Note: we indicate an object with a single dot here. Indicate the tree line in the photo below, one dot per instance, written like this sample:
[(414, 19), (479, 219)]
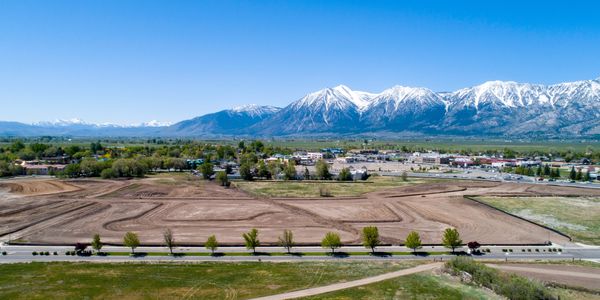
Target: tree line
[(332, 240)]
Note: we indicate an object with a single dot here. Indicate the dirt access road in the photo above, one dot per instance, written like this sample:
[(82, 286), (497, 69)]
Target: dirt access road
[(351, 284), (577, 276)]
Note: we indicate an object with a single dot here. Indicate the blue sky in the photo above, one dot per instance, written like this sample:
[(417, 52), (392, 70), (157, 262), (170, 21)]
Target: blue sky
[(133, 61)]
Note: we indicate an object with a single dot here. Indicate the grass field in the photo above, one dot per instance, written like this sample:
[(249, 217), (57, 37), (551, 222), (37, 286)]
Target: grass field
[(177, 281), (418, 286), (311, 189), (577, 217), (294, 254)]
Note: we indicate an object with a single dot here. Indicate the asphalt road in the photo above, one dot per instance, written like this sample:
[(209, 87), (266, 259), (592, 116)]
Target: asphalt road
[(16, 254), (476, 174)]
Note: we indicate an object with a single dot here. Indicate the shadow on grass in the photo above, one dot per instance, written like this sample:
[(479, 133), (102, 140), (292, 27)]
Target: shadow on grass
[(139, 254), (338, 254), (381, 254), (257, 253), (217, 254)]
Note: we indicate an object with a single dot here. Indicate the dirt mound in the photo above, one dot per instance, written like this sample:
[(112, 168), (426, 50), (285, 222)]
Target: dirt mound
[(38, 187)]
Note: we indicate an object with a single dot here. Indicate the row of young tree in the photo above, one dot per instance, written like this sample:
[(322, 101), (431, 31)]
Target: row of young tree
[(370, 239)]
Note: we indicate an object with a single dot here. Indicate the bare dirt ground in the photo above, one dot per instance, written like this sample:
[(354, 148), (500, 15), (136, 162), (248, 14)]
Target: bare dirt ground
[(576, 276), (55, 211)]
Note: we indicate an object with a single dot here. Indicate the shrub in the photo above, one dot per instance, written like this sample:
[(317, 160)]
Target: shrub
[(34, 253), (55, 253), (510, 286), (109, 173), (324, 192), (4, 253)]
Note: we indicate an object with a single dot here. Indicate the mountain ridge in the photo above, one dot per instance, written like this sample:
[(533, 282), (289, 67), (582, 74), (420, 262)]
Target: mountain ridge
[(494, 108)]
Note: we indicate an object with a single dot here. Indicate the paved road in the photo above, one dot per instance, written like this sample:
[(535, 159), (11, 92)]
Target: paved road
[(350, 284), (20, 257), (498, 177)]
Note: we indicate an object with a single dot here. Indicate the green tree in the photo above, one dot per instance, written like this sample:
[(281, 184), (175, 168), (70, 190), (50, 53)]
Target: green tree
[(17, 146), (322, 171), (289, 172), (413, 241), (547, 171), (72, 170), (287, 240), (573, 174), (222, 178), (169, 240), (539, 171), (345, 175), (579, 175), (451, 239), (263, 171), (404, 176), (306, 175), (131, 240), (207, 170), (212, 244), (246, 172), (251, 240), (109, 173), (587, 177), (370, 237), (96, 243), (331, 241)]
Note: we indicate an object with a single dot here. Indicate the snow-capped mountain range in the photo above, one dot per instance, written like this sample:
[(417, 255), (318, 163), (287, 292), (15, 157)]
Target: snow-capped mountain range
[(494, 108), (80, 122)]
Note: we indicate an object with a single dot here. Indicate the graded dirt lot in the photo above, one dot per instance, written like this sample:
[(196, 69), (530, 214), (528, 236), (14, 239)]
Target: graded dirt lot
[(56, 211)]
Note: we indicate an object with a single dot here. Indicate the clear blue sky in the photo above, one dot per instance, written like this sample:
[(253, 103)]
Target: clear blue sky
[(132, 61)]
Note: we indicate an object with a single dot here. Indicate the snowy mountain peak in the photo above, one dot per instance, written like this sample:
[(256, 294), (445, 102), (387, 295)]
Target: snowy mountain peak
[(153, 123), (79, 122), (255, 110), (500, 93), (61, 122), (340, 97)]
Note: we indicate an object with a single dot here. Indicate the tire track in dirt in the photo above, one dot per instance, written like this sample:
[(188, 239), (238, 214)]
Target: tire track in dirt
[(327, 222), (110, 225), (43, 223)]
